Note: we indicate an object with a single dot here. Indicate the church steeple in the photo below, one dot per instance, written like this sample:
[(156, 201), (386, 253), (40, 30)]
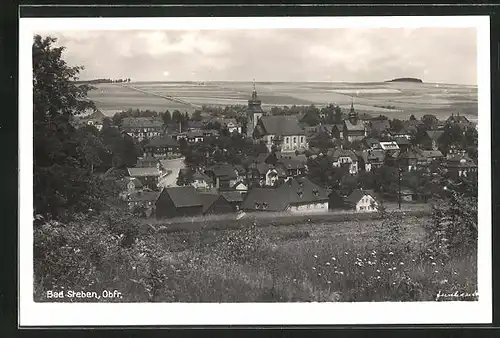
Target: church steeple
[(254, 93), (353, 115)]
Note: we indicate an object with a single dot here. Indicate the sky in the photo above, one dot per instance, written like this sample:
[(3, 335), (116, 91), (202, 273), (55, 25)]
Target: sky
[(435, 55)]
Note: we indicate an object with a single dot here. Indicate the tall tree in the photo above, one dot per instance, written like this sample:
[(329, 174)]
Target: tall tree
[(62, 168)]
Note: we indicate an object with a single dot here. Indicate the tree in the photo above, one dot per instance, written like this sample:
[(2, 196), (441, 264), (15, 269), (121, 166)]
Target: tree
[(396, 125), (59, 158), (429, 121), (412, 117), (338, 115), (167, 117), (197, 115)]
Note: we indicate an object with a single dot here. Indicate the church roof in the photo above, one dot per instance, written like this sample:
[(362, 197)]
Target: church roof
[(354, 127), (281, 125)]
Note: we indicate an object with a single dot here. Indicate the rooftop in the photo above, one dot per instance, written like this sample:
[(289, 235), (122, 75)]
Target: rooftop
[(281, 125), (142, 122)]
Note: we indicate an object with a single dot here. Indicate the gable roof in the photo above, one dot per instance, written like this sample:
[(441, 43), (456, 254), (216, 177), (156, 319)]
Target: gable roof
[(183, 196), (200, 176), (337, 153), (281, 125), (434, 134), (162, 141), (432, 153), (141, 172), (380, 125), (144, 196), (232, 196), (223, 170), (359, 126), (142, 122), (357, 195), (207, 200)]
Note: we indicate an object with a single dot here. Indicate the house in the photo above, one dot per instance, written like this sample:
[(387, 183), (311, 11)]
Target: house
[(232, 125), (282, 132), (262, 174), (432, 155), (192, 136), (417, 159), (388, 146), (379, 127), (460, 165), (431, 139), (202, 181), (95, 119), (195, 125), (235, 198), (402, 142), (148, 176), (338, 131), (140, 128), (295, 195), (370, 159), (241, 187), (215, 204), (335, 201), (293, 166), (341, 157), (223, 175), (372, 143), (161, 147), (354, 129), (362, 200), (407, 194), (143, 199), (179, 202), (147, 161), (460, 120)]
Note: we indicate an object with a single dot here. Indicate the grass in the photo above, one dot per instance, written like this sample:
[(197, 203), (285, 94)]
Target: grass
[(348, 261)]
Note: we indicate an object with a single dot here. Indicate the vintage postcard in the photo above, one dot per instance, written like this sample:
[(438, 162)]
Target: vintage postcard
[(255, 171)]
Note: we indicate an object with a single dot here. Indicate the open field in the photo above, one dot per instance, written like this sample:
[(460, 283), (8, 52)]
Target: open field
[(346, 261), (406, 98)]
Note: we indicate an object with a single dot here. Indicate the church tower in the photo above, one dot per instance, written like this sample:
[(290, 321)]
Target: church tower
[(254, 112), (353, 115)]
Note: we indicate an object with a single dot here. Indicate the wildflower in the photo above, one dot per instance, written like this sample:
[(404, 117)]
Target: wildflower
[(436, 271), (346, 253), (319, 275), (413, 260), (334, 259), (315, 256), (327, 263), (391, 253), (393, 283), (401, 263), (358, 259), (336, 271), (433, 263), (313, 268), (455, 273), (430, 257), (294, 279), (341, 273), (378, 277), (378, 271), (328, 282)]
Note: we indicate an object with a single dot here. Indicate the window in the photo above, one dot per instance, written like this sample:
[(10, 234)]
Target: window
[(286, 140), (295, 140), (302, 139)]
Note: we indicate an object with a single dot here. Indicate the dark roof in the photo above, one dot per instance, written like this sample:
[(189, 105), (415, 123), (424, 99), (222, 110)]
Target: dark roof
[(380, 125), (223, 170), (337, 153), (370, 141), (232, 196), (142, 122), (371, 156), (402, 141), (435, 134), (261, 157), (183, 196), (207, 200), (432, 153), (239, 168), (294, 191), (458, 119), (137, 182), (201, 176), (195, 124), (140, 172), (281, 125), (460, 160), (358, 194), (162, 141), (359, 126), (291, 163), (143, 196)]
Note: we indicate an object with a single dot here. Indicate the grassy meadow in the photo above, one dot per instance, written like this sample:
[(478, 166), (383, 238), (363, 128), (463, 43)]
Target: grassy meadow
[(403, 99), (342, 261)]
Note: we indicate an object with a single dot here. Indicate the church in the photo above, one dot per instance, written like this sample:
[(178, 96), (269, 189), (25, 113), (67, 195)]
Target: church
[(280, 133), (354, 128)]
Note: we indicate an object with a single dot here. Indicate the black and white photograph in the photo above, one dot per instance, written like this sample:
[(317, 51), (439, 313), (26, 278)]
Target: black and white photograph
[(331, 170)]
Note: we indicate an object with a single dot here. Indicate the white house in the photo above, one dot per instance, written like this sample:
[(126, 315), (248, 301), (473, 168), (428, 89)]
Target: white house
[(284, 132), (362, 201), (345, 157)]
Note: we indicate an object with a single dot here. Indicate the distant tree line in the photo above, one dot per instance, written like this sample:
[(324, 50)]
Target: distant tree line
[(97, 81)]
